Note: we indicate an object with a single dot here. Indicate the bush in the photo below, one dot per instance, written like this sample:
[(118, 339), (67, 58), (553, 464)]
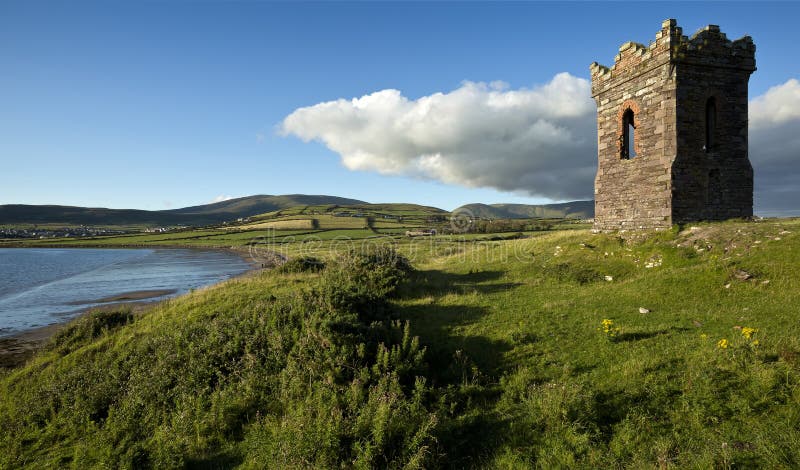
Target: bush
[(302, 264), (87, 328), (361, 282)]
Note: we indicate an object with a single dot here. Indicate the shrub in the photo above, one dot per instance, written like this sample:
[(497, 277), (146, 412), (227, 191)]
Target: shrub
[(89, 327), (302, 264), (361, 282)]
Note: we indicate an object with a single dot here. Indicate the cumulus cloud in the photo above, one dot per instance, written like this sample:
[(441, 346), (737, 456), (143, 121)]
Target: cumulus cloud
[(541, 141), (775, 149)]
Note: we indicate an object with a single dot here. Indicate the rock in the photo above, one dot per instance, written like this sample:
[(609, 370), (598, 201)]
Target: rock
[(644, 310), (742, 275), (609, 278)]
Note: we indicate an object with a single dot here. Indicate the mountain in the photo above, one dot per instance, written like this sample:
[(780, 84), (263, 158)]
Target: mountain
[(566, 210), (196, 215), (252, 205)]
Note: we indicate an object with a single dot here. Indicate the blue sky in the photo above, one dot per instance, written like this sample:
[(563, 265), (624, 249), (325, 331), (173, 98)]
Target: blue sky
[(162, 104)]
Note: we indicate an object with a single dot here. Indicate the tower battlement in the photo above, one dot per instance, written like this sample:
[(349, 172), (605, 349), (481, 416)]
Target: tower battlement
[(708, 45)]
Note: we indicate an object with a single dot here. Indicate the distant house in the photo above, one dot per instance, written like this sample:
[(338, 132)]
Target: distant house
[(421, 233)]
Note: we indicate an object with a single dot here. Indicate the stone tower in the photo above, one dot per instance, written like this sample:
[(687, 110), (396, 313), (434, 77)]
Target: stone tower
[(672, 131)]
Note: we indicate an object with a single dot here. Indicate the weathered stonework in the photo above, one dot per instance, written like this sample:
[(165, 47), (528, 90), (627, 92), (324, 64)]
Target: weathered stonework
[(689, 101)]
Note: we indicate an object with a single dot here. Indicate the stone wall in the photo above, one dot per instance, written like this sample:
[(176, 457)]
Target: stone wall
[(666, 85), (713, 183), (635, 193)]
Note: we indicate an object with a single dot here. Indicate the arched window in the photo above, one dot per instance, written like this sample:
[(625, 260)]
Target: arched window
[(628, 137), (711, 123)]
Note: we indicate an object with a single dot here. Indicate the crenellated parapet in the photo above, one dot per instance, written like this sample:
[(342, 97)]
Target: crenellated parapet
[(707, 46), (634, 59)]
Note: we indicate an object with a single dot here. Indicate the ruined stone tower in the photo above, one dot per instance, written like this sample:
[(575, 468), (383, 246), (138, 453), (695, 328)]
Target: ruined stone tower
[(672, 131)]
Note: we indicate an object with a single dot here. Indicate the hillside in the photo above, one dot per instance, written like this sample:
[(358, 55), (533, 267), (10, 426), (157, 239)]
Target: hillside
[(252, 205), (282, 227), (196, 215), (565, 349), (564, 210)]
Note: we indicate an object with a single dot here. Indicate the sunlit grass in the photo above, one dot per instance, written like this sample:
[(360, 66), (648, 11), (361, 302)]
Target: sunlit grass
[(562, 349)]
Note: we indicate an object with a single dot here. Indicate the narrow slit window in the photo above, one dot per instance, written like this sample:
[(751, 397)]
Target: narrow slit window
[(628, 135), (711, 123)]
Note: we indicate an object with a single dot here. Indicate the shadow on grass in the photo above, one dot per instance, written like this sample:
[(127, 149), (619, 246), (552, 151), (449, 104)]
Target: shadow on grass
[(217, 461), (640, 335), (435, 323), (467, 366), (433, 282)]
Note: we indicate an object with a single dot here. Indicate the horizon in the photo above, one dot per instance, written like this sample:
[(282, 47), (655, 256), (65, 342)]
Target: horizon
[(160, 106), (289, 195)]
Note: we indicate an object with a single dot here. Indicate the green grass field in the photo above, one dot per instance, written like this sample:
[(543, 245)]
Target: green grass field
[(312, 222), (563, 349)]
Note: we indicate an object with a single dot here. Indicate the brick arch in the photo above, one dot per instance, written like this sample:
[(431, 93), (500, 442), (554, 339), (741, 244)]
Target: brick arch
[(633, 106)]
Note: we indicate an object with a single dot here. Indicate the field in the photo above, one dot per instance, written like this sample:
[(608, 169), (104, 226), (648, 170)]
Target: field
[(550, 349), (299, 224)]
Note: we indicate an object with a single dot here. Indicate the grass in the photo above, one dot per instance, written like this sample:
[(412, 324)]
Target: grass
[(287, 224), (314, 223), (513, 365)]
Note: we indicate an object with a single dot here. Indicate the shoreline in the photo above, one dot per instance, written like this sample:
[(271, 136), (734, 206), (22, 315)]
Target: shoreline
[(19, 347), (131, 296)]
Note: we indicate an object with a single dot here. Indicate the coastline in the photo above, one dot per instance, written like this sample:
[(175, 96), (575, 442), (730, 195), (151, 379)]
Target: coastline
[(17, 348)]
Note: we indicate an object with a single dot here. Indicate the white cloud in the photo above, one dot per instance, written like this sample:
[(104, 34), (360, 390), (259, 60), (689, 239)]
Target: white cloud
[(775, 148), (540, 140), (780, 104), (222, 198)]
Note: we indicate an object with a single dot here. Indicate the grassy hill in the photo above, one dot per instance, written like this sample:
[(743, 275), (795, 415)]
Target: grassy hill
[(252, 205), (196, 215), (565, 349), (564, 210)]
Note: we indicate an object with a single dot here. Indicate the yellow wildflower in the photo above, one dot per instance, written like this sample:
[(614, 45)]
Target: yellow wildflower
[(748, 332), (723, 343), (608, 327)]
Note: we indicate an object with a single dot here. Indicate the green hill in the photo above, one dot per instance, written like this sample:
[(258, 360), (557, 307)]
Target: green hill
[(252, 205), (196, 215), (564, 210)]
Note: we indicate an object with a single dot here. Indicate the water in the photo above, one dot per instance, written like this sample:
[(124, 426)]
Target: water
[(40, 287)]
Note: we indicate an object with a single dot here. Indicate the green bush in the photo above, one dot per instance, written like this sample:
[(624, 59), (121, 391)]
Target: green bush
[(89, 327), (361, 282), (302, 264)]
